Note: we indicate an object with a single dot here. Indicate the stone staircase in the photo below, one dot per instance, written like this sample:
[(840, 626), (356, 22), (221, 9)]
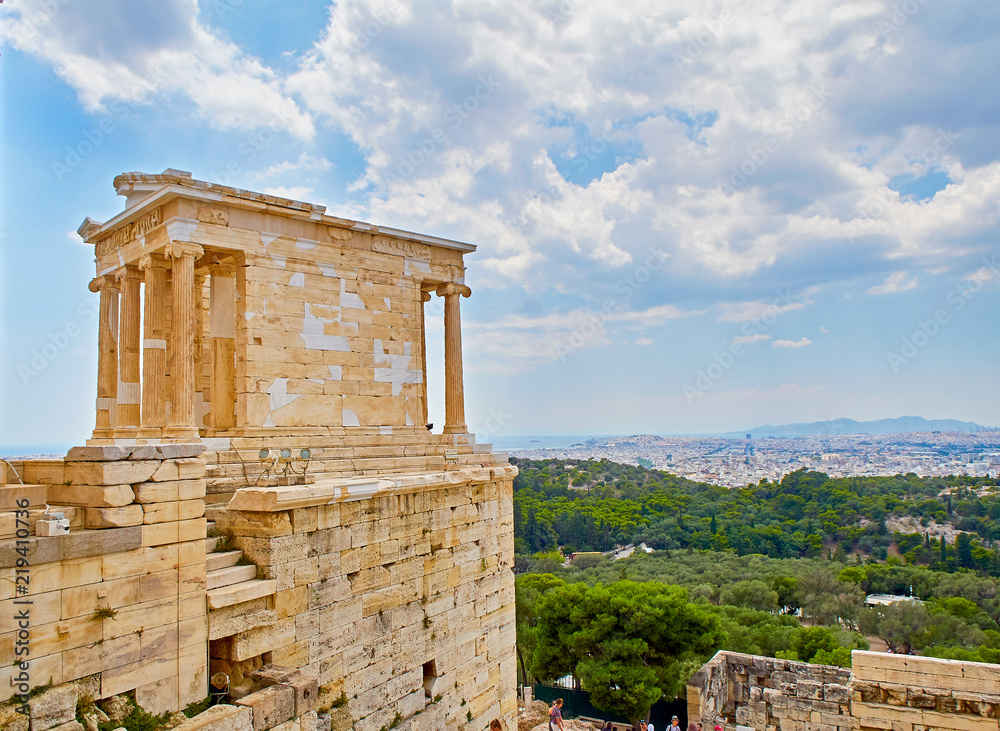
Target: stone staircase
[(228, 581)]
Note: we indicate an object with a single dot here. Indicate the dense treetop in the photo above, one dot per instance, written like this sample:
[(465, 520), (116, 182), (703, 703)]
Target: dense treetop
[(588, 505), (783, 567)]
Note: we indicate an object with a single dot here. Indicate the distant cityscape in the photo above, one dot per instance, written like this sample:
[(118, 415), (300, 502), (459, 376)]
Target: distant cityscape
[(735, 462)]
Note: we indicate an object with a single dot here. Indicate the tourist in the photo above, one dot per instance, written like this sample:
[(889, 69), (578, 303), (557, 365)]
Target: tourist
[(649, 726), (675, 724), (692, 726), (555, 716), (642, 725)]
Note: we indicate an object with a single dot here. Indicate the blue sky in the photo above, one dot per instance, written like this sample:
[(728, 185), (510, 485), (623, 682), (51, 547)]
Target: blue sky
[(693, 216)]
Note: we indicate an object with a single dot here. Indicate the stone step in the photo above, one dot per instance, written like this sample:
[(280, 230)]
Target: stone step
[(211, 544), (212, 512), (226, 596), (233, 623), (231, 575), (216, 499), (209, 525), (223, 560), (17, 496)]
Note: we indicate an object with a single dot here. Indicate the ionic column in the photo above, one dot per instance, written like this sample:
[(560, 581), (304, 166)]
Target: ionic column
[(454, 389), (201, 382), (107, 357), (424, 297), (154, 346), (129, 387), (222, 334), (180, 425)]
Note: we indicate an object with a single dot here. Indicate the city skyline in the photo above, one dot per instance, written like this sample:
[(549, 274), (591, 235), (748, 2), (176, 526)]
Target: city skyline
[(692, 219), (733, 462)]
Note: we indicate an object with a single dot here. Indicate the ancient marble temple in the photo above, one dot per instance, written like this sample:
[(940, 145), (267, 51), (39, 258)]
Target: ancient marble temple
[(262, 500), (251, 313)]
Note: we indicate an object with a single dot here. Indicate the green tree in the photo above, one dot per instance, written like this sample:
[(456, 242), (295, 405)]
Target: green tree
[(963, 549), (807, 642), (753, 594), (629, 643), (900, 625), (528, 589), (787, 588)]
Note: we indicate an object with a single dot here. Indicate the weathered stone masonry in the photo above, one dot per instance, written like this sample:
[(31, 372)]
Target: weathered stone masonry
[(261, 495), (393, 600), (880, 691)]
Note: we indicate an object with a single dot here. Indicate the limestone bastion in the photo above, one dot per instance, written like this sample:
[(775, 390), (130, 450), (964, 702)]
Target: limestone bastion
[(262, 502)]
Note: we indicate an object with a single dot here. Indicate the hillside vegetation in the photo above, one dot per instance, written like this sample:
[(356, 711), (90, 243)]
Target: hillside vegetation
[(783, 568), (594, 505)]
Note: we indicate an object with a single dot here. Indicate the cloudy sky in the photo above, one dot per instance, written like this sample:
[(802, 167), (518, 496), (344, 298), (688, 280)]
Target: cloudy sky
[(691, 216)]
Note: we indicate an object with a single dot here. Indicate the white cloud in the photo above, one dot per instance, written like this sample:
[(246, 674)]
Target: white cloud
[(296, 193), (824, 331), (653, 316), (569, 147), (801, 343), (520, 342), (984, 275), (118, 53), (757, 310), (305, 163), (894, 283), (743, 339)]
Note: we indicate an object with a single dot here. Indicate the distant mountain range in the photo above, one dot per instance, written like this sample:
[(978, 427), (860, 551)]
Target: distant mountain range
[(901, 425)]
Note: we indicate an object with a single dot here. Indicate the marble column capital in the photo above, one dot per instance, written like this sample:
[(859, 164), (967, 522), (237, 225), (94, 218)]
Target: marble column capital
[(129, 271), (451, 288), (106, 281), (425, 296), (222, 269), (153, 260), (182, 249)]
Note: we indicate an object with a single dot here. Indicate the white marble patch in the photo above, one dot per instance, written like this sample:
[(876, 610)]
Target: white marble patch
[(416, 266), (217, 444), (279, 397), (315, 338), (395, 369), (349, 299)]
